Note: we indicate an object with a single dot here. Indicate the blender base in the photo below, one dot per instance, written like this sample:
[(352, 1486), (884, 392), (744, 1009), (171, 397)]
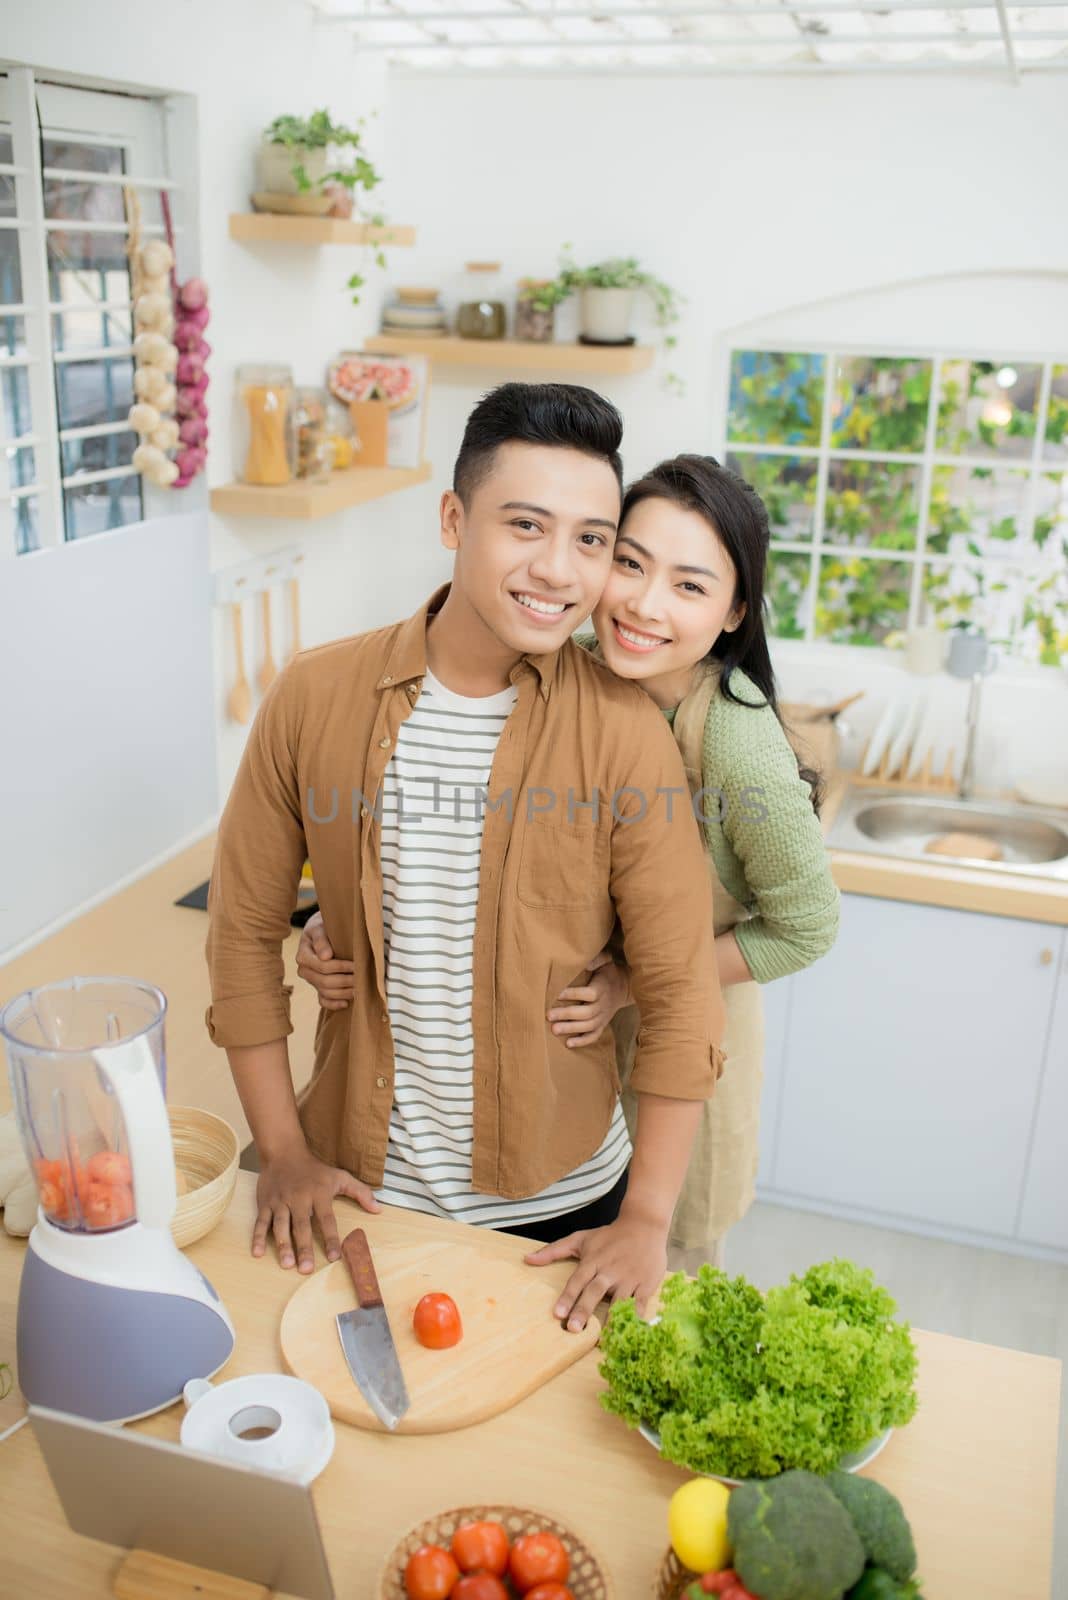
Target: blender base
[(108, 1352)]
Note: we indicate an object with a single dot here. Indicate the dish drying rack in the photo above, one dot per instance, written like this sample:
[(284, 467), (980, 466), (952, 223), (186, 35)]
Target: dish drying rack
[(926, 781)]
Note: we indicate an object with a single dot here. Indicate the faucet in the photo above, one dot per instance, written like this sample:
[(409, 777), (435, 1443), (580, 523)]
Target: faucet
[(971, 734), (970, 656)]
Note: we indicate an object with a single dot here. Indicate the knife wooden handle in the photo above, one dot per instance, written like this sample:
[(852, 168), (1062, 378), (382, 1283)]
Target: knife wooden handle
[(356, 1254)]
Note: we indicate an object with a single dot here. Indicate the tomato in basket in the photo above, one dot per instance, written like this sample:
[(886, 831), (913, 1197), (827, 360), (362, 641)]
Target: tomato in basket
[(538, 1558), (481, 1547), (431, 1574)]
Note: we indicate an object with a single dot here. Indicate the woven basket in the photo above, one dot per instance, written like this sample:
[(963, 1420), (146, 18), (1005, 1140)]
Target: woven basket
[(587, 1578), (672, 1578), (205, 1152)]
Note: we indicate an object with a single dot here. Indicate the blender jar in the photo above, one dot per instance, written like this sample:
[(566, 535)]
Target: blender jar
[(88, 1073)]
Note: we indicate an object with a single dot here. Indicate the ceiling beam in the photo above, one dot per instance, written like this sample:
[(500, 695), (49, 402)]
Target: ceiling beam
[(745, 8), (694, 41)]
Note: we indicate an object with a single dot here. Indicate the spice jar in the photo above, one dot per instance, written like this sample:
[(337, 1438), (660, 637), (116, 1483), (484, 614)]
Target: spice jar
[(481, 314), (264, 432), (315, 416), (535, 310)]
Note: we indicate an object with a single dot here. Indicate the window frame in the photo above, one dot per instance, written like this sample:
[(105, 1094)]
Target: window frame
[(928, 461), (137, 124)]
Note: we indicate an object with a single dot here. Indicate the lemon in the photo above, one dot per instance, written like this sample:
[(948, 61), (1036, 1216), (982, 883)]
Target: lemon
[(697, 1525)]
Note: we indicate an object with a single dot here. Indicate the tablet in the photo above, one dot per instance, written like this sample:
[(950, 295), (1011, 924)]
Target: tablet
[(146, 1494)]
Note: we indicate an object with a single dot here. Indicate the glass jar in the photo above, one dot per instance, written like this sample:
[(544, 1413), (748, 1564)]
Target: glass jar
[(533, 323), (315, 445), (265, 443), (481, 314)]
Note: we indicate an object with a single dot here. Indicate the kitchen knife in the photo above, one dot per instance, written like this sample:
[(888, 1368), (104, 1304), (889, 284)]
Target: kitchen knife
[(366, 1339)]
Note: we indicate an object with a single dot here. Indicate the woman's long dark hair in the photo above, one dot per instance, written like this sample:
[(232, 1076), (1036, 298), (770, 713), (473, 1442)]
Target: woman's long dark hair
[(738, 517)]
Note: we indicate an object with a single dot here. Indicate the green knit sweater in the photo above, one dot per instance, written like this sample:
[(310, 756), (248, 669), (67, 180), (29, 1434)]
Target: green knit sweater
[(764, 837)]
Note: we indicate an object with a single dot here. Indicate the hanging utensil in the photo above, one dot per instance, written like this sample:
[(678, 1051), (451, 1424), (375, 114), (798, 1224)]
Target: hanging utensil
[(294, 617), (268, 670), (239, 704)]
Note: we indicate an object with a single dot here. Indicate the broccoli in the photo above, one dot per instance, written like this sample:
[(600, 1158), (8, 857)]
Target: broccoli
[(877, 1584), (793, 1539), (879, 1520)]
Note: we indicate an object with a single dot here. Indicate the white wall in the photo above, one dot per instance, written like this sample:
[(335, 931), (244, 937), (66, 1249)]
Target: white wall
[(105, 681), (885, 211)]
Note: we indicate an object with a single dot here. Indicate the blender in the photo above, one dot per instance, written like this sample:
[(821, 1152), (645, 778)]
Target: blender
[(113, 1319)]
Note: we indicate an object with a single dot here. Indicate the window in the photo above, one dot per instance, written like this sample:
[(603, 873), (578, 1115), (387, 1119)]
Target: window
[(66, 334), (907, 488)]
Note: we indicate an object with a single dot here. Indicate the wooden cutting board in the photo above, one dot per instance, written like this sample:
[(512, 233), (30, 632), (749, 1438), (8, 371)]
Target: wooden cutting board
[(511, 1344)]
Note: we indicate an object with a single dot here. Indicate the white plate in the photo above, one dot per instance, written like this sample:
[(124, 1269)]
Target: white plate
[(902, 744), (885, 729), (849, 1463)]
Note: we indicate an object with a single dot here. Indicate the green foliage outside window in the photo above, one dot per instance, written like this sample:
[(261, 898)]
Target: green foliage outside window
[(880, 403), (872, 503), (995, 529), (776, 398), (861, 602), (784, 593), (987, 408), (787, 486)]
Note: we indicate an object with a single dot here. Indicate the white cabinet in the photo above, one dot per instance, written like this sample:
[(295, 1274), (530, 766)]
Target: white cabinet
[(1044, 1214), (776, 998), (912, 1065)]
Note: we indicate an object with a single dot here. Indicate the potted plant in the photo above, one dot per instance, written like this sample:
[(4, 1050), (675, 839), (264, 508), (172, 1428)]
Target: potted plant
[(298, 166), (535, 311), (607, 291)]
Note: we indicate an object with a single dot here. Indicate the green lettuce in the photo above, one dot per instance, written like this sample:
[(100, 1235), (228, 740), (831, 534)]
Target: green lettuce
[(750, 1385)]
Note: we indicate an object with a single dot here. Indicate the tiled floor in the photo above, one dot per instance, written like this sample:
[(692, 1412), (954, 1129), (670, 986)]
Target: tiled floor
[(949, 1288)]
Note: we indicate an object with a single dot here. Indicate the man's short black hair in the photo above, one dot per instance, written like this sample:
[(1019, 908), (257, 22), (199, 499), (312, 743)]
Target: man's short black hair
[(560, 414)]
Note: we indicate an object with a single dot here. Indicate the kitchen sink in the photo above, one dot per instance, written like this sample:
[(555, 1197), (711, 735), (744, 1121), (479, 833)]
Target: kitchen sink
[(884, 822)]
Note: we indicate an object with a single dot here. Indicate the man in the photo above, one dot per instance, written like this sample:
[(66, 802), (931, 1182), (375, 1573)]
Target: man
[(480, 802)]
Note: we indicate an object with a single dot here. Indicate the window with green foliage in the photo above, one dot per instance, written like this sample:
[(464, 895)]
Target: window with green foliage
[(908, 488)]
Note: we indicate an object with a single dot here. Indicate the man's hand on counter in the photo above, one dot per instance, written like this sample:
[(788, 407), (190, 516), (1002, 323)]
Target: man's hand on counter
[(629, 1257), (295, 1188)]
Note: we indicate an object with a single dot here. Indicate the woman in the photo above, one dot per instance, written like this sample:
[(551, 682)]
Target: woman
[(682, 613)]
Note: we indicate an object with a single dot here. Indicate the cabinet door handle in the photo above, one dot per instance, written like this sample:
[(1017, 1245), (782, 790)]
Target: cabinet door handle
[(1046, 958)]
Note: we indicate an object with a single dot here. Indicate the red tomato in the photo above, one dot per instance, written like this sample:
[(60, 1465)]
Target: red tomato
[(550, 1591), (537, 1558), (437, 1322), (480, 1586), (107, 1204), (53, 1198), (431, 1574), (481, 1547), (109, 1166)]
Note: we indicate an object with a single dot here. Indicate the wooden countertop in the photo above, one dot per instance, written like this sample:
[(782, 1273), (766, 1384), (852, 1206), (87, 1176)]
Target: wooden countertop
[(975, 1470)]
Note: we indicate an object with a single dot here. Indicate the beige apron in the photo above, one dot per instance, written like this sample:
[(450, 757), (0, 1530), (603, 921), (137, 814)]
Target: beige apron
[(720, 1180)]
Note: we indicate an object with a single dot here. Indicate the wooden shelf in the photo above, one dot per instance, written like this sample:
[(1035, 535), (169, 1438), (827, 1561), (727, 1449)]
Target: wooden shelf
[(516, 355), (312, 497), (267, 227)]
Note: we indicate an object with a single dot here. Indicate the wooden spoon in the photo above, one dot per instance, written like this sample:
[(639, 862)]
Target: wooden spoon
[(268, 670), (294, 616), (239, 704)]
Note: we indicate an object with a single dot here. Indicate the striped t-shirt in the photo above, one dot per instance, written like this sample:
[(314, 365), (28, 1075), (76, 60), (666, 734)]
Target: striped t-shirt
[(431, 851)]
